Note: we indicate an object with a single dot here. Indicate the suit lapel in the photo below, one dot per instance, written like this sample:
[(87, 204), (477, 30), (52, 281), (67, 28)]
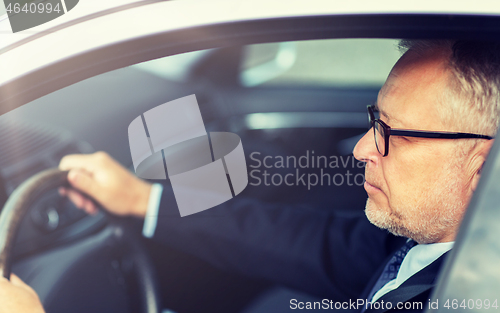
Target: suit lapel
[(421, 282)]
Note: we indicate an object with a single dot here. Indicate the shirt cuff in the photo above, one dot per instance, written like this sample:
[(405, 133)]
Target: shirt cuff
[(151, 218)]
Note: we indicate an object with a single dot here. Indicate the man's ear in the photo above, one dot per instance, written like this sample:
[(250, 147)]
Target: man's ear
[(478, 157)]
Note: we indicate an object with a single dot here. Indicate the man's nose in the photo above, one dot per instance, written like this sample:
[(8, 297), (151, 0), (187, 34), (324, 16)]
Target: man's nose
[(366, 150)]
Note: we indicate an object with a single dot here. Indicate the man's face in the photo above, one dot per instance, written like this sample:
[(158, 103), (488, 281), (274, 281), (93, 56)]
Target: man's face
[(418, 190)]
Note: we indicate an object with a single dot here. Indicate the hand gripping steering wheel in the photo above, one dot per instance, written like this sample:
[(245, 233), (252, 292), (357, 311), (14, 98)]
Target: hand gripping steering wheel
[(25, 196)]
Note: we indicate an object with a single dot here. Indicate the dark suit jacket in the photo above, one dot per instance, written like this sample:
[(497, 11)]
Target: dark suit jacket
[(318, 252)]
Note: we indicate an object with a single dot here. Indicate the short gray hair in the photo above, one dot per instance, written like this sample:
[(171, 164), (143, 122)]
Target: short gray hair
[(474, 92)]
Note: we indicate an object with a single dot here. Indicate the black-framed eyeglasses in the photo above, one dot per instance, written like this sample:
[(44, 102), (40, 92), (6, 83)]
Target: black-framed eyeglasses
[(382, 132)]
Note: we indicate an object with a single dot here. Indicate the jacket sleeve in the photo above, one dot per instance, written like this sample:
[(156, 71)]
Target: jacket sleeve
[(310, 250)]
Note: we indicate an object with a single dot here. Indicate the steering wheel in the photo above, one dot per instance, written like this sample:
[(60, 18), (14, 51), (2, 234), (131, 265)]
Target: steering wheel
[(24, 196)]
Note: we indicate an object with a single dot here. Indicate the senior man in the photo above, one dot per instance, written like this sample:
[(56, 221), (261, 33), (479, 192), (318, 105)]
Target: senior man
[(431, 133)]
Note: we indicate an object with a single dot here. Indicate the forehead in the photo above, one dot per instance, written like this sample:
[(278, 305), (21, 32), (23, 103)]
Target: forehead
[(412, 96)]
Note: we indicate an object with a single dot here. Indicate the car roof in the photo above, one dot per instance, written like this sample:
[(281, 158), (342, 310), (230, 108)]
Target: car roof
[(92, 8), (84, 10), (227, 10)]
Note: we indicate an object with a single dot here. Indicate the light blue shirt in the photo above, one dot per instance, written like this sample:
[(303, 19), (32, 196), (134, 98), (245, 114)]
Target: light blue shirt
[(417, 258), (151, 218)]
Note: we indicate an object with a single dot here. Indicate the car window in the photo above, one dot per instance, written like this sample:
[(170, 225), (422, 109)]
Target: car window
[(335, 62), (175, 67), (312, 108), (326, 63)]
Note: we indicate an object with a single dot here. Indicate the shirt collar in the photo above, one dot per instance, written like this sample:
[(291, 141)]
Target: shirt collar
[(417, 259)]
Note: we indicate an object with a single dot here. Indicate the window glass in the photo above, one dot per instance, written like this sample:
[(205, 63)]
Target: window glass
[(334, 62)]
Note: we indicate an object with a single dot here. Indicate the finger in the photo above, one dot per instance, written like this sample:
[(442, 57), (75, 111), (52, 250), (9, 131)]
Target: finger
[(62, 191), (90, 207), (82, 181), (77, 198), (72, 161), (87, 162), (16, 281), (82, 202)]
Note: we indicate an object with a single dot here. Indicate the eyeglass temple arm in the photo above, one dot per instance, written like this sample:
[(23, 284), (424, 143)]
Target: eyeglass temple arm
[(442, 135)]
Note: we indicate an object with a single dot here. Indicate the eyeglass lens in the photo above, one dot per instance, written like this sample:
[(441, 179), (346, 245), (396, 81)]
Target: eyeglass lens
[(379, 137)]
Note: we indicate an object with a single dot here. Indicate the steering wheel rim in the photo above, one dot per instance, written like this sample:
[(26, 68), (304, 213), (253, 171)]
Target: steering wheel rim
[(25, 195)]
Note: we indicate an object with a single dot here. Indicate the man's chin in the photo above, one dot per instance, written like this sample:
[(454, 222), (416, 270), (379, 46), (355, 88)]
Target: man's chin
[(382, 218), (388, 220), (376, 216)]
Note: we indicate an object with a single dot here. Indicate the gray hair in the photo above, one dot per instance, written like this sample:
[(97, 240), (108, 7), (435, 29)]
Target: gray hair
[(472, 101)]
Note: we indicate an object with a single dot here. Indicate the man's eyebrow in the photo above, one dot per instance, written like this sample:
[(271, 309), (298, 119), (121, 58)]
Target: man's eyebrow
[(384, 114)]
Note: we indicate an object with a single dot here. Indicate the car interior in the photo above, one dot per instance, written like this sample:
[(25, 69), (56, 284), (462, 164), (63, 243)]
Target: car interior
[(284, 99)]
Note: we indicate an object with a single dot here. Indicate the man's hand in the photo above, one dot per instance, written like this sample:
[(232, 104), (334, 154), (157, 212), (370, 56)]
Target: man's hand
[(17, 297), (105, 180)]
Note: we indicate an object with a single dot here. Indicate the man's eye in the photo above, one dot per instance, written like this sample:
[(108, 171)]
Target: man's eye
[(399, 139)]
